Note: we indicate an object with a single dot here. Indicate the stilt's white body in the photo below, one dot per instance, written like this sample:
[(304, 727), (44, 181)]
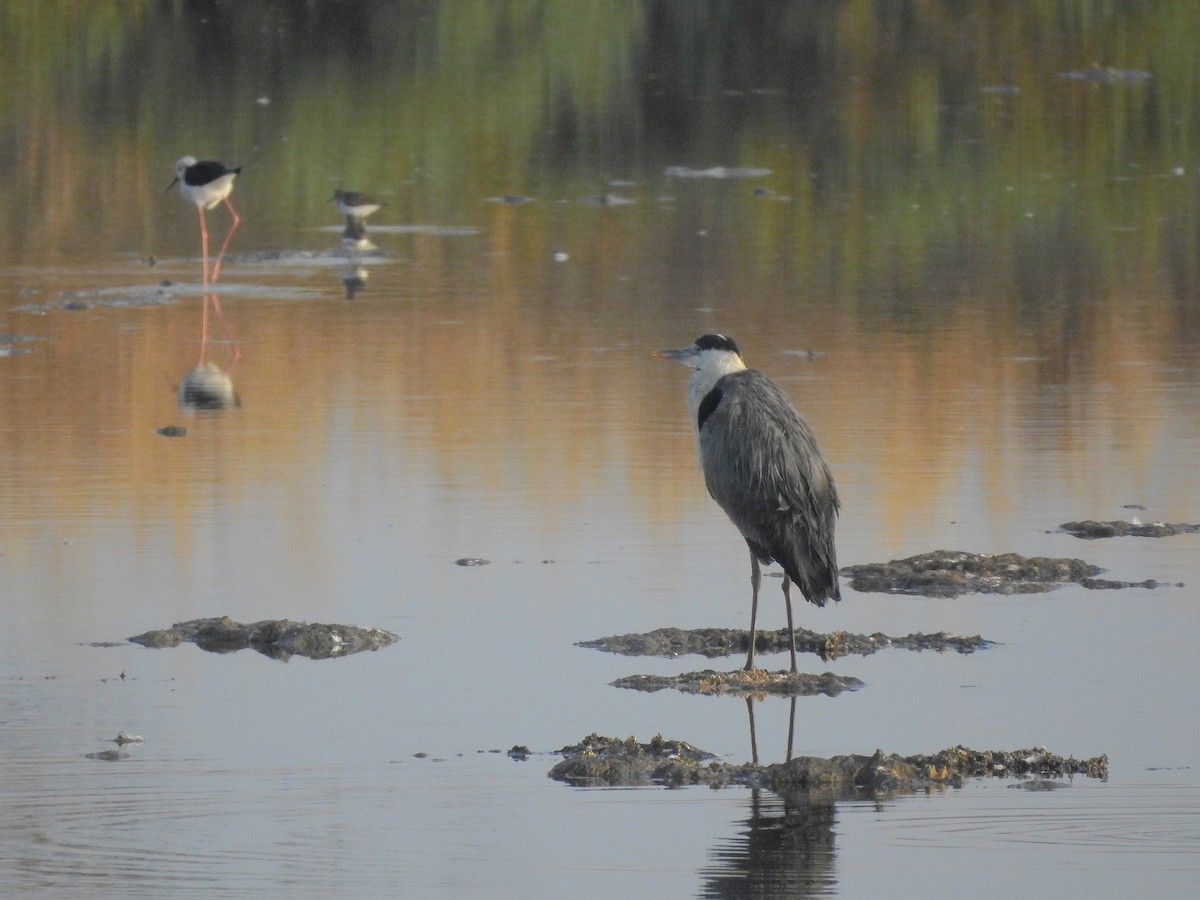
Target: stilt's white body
[(204, 183), (207, 183), (355, 205)]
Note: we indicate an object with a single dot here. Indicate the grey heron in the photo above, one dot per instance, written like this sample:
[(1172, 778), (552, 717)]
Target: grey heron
[(206, 183), (762, 466)]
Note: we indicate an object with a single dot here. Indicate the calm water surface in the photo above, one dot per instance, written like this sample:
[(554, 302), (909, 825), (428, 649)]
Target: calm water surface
[(995, 268)]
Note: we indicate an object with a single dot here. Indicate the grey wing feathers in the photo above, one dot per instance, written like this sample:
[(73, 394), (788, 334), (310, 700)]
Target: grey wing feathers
[(762, 465)]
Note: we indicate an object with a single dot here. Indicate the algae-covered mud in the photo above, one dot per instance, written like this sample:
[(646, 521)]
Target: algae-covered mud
[(719, 642), (615, 762), (716, 642), (276, 638), (743, 683), (1092, 530), (952, 573)]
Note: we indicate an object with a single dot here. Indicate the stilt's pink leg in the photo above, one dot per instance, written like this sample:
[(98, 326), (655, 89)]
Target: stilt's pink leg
[(203, 247), (203, 330), (228, 238), (235, 349)]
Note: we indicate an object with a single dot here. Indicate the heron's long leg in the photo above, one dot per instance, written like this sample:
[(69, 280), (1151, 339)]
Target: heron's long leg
[(787, 599), (791, 728), (753, 737), (755, 581), (232, 228)]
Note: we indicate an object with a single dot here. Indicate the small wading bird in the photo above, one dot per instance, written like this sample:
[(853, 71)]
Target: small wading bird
[(206, 183), (354, 205), (762, 465)]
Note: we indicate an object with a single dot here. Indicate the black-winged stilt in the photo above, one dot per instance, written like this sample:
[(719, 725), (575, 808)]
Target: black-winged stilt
[(355, 205), (207, 183)]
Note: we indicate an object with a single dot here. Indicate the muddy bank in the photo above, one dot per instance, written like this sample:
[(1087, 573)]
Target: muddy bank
[(951, 573), (613, 762), (276, 638), (741, 683), (719, 642), (1091, 530)]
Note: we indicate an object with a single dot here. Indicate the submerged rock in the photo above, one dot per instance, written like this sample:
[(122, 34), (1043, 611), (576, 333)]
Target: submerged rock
[(951, 573), (107, 755), (277, 638), (614, 762), (716, 642)]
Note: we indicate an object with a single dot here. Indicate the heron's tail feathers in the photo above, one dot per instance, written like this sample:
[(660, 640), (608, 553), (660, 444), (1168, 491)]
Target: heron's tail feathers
[(814, 569)]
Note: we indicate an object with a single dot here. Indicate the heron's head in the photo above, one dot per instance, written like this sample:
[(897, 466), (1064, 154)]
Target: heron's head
[(716, 352), (711, 358)]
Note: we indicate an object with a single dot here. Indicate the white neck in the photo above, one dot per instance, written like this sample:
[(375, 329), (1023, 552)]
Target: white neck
[(714, 365)]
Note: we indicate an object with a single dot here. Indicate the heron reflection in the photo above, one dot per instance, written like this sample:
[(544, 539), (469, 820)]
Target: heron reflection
[(786, 848), (787, 845), (754, 736)]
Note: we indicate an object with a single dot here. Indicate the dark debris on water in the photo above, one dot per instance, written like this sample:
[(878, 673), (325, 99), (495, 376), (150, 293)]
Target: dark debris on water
[(614, 762)]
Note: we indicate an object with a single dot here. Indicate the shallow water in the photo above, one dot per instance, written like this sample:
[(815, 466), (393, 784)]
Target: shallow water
[(1001, 345)]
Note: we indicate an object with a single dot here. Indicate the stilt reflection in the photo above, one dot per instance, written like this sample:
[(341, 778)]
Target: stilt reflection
[(208, 386)]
